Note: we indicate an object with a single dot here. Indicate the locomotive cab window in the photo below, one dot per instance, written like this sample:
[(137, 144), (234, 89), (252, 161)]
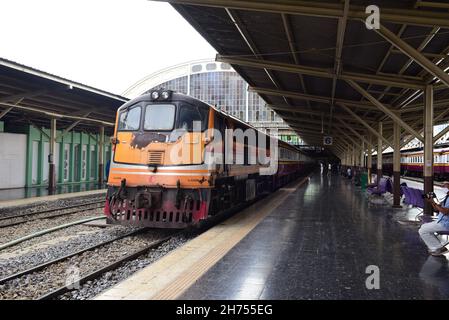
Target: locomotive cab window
[(188, 114), (130, 119), (159, 117)]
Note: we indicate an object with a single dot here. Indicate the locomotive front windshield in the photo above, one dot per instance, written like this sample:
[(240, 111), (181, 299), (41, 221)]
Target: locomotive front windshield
[(130, 119), (162, 117), (159, 117)]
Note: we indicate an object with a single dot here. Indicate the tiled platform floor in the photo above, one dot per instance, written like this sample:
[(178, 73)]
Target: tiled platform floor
[(317, 245)]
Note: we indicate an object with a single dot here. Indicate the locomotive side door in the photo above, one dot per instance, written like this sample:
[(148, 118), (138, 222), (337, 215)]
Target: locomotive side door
[(128, 123)]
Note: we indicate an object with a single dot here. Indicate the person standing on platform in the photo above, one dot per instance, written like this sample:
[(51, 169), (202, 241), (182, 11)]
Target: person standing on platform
[(108, 166), (428, 230)]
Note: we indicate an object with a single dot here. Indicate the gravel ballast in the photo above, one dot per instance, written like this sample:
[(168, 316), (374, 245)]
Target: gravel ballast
[(32, 286)]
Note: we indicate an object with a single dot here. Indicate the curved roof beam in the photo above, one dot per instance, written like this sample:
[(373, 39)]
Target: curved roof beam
[(414, 54), (315, 98), (394, 81), (385, 110)]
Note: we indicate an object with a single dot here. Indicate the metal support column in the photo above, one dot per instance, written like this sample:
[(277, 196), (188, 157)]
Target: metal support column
[(370, 158), (428, 145), (379, 154), (349, 157), (354, 158), (51, 158), (101, 157), (346, 159), (362, 156), (397, 166)]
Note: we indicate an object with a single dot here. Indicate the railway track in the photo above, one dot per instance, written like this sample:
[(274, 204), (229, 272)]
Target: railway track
[(13, 220), (53, 284), (64, 289), (46, 264), (47, 231)]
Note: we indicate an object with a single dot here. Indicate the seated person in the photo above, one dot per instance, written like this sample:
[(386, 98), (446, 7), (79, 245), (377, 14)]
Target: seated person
[(428, 230)]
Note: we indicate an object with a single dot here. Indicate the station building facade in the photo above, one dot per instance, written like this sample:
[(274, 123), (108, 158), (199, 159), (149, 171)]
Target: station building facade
[(217, 84), (25, 152)]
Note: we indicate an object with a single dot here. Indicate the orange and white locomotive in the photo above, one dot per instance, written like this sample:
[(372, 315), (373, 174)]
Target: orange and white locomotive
[(160, 175)]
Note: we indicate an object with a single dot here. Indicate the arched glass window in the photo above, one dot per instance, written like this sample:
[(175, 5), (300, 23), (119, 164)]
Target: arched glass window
[(211, 66), (197, 68)]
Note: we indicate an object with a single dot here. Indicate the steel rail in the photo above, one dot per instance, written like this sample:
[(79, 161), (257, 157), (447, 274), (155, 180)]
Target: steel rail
[(43, 232), (45, 217), (48, 210)]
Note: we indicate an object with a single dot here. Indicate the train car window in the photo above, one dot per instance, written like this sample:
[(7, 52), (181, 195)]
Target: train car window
[(130, 119), (189, 114), (159, 117)]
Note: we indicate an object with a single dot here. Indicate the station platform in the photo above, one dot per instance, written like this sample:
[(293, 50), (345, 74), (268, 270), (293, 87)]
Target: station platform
[(23, 201), (33, 192), (306, 241)]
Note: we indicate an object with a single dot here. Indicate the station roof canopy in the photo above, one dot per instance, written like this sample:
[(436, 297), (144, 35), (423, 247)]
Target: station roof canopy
[(323, 71), (30, 96)]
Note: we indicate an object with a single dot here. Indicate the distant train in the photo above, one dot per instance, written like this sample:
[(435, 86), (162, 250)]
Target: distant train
[(412, 162), (147, 186)]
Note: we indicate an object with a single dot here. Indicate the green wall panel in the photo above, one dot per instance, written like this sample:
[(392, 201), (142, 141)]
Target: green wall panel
[(72, 138)]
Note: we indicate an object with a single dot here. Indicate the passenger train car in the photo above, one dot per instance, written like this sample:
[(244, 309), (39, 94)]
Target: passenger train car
[(161, 174), (412, 162)]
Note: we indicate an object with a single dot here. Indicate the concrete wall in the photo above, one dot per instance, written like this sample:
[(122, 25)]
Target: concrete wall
[(13, 149)]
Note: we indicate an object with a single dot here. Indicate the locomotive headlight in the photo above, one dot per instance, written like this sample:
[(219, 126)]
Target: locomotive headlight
[(155, 95), (165, 95)]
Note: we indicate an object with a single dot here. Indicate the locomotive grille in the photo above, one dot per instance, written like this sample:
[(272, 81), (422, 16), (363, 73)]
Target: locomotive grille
[(155, 157)]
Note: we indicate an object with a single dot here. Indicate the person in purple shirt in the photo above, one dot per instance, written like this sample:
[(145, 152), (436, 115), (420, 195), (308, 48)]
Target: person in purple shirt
[(428, 230)]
